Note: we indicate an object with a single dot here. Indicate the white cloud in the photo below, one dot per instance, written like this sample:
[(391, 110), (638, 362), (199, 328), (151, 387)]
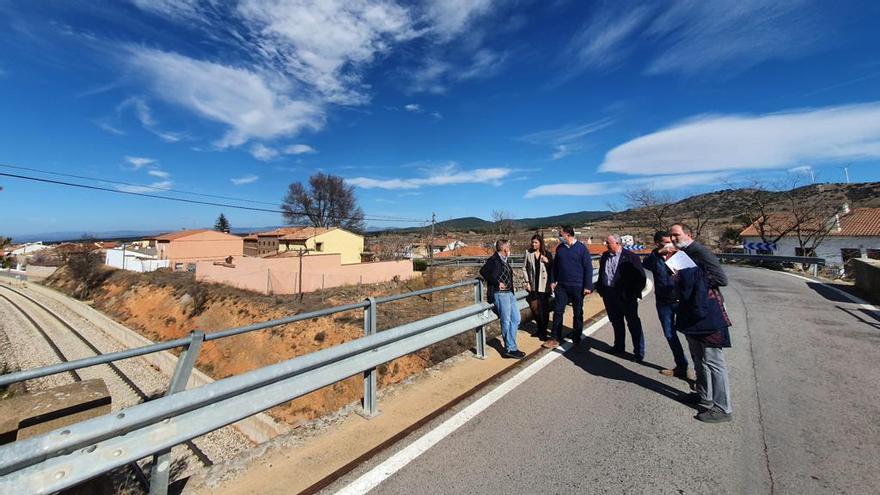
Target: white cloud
[(565, 140), (449, 18), (159, 173), (604, 188), (299, 149), (247, 179), (250, 104), (109, 128), (804, 169), (154, 187), (145, 116), (263, 152), (744, 142), (412, 107), (695, 36), (448, 175), (436, 75), (138, 162)]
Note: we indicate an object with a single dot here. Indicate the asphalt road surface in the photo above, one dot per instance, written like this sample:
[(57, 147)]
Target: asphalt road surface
[(805, 374)]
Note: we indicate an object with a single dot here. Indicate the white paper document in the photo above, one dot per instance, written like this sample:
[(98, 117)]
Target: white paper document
[(680, 261)]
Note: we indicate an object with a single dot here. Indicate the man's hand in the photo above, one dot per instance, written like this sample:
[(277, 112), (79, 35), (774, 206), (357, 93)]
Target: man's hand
[(528, 287), (587, 292), (553, 286)]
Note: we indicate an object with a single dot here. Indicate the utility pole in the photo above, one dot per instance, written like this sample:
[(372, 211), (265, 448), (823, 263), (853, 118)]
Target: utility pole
[(123, 256), (431, 254), (846, 174)]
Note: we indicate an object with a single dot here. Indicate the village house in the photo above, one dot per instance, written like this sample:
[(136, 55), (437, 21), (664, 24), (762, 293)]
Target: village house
[(184, 248), (850, 234), (310, 240)]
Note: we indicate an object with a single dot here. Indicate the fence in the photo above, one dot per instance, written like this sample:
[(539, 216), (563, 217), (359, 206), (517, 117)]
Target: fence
[(814, 263), (65, 457)]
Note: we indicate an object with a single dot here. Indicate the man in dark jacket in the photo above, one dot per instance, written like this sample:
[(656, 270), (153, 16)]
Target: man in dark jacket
[(498, 275), (667, 303), (572, 281), (621, 281), (702, 318)]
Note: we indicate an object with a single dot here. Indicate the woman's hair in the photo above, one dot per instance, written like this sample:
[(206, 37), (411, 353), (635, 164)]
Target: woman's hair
[(541, 247)]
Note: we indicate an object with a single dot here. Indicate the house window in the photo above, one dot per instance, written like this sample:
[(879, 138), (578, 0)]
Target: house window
[(848, 254), (178, 267), (873, 254), (191, 267), (319, 246)]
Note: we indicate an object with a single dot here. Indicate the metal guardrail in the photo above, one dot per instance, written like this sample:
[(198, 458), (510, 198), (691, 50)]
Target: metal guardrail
[(814, 263), (67, 456)]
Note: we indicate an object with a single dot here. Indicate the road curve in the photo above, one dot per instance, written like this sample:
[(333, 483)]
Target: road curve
[(806, 397)]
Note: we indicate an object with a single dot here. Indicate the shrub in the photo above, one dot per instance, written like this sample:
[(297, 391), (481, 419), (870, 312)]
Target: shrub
[(320, 336), (420, 265)]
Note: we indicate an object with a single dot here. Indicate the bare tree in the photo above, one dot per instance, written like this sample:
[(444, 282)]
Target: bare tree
[(327, 202), (650, 208), (504, 224)]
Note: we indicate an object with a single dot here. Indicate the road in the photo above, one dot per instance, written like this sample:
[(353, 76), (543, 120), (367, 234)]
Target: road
[(806, 396)]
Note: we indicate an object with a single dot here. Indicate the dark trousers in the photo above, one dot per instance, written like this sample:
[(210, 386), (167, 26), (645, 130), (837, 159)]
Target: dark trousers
[(563, 296), (539, 303), (619, 308)]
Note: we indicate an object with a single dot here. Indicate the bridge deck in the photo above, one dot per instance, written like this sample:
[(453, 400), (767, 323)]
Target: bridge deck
[(806, 389)]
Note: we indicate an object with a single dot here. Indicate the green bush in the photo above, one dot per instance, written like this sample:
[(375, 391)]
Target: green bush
[(420, 265)]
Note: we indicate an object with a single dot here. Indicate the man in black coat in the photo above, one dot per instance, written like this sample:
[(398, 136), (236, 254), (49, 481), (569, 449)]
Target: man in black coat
[(621, 281)]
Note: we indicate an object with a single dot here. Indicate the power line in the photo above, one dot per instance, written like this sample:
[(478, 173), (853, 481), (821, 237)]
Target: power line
[(145, 186), (192, 201)]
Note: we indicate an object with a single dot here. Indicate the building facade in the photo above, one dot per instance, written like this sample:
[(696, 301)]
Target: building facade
[(184, 248)]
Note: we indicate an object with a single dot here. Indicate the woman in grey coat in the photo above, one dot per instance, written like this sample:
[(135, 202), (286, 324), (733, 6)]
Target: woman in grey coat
[(538, 276)]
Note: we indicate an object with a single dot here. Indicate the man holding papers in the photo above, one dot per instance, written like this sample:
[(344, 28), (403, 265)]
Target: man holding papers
[(702, 318)]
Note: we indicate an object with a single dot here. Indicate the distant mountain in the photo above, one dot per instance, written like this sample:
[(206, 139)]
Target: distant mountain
[(466, 224)]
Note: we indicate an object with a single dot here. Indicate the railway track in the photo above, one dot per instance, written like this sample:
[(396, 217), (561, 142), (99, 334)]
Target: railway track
[(114, 371)]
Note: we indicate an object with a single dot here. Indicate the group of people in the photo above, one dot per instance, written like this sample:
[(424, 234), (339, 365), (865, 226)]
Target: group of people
[(688, 301)]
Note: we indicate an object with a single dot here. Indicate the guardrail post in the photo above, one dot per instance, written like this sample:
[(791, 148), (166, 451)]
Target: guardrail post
[(480, 332), (159, 474), (370, 402), (815, 269)]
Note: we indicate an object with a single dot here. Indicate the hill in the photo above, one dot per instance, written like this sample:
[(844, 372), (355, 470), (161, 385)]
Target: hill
[(475, 224)]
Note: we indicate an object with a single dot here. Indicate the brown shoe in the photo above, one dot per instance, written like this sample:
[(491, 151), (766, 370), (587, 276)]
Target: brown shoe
[(668, 372), (550, 344)]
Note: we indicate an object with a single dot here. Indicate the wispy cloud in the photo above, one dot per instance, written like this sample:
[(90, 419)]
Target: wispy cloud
[(145, 116), (108, 128), (154, 187), (299, 149), (247, 179), (263, 152), (138, 162), (412, 107), (608, 188), (248, 103), (159, 173), (746, 142), (696, 36), (566, 140), (449, 175)]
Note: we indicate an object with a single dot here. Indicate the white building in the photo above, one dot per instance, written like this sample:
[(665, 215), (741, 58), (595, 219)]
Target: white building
[(29, 248), (855, 234), (135, 261)]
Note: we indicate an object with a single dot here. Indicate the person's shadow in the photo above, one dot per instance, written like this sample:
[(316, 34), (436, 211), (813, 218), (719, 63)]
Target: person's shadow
[(594, 362)]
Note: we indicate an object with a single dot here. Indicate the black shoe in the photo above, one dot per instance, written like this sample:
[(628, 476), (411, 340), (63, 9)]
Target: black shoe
[(714, 415), (639, 359), (617, 351), (694, 399), (514, 354)]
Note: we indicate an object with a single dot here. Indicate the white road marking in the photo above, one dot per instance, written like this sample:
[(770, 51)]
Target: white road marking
[(385, 470), (855, 299)]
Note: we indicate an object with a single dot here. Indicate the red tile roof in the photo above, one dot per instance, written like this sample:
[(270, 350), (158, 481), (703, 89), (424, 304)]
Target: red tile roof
[(305, 233), (859, 222), (177, 235)]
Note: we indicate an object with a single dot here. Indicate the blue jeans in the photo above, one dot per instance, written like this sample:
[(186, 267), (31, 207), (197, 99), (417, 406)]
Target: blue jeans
[(666, 313), (508, 313)]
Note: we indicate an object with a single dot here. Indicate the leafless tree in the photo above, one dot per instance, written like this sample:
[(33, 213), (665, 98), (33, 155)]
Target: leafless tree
[(504, 224), (650, 208), (390, 247), (327, 202)]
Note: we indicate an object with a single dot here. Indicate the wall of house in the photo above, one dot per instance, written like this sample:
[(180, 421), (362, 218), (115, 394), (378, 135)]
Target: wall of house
[(133, 262), (209, 245), (829, 249), (349, 246), (282, 275)]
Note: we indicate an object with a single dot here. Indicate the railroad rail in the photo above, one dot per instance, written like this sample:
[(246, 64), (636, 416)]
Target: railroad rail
[(114, 369)]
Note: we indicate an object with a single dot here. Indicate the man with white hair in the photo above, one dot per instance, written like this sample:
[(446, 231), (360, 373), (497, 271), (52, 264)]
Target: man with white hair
[(621, 281), (498, 275)]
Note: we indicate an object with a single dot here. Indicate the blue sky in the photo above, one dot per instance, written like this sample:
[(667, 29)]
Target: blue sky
[(458, 107)]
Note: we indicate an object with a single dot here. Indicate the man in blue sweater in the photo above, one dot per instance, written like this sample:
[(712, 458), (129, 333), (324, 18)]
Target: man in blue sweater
[(573, 279)]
